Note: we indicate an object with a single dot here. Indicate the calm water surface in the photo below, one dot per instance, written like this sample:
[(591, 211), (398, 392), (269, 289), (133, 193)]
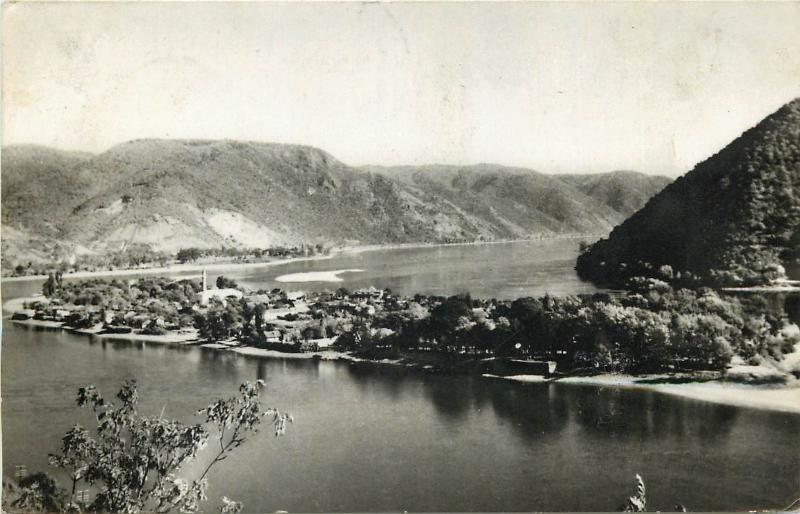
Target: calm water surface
[(504, 270), (376, 438)]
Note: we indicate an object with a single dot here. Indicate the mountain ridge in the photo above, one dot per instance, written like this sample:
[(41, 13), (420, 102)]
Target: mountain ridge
[(209, 193)]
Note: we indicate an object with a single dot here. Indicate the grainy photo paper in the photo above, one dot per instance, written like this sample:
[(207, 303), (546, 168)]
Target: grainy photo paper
[(390, 257)]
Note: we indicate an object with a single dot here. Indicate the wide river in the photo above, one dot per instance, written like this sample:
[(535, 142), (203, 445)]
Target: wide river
[(377, 438)]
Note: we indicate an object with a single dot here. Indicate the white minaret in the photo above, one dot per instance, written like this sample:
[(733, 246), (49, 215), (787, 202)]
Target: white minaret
[(203, 297)]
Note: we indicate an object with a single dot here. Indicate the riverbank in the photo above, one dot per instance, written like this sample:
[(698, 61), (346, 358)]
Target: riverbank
[(354, 249), (401, 246), (183, 337), (709, 387), (784, 398), (317, 276), (326, 355), (17, 304), (175, 268)]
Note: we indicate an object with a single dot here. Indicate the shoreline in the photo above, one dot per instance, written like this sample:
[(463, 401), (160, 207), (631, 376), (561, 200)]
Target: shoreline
[(356, 249), (776, 398), (16, 304), (183, 337), (344, 250), (174, 268), (780, 398)]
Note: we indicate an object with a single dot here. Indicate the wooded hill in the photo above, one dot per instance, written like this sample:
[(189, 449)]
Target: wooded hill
[(734, 219), (178, 193)]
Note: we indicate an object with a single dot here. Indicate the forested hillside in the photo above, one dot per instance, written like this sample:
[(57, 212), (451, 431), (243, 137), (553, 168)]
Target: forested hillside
[(734, 219)]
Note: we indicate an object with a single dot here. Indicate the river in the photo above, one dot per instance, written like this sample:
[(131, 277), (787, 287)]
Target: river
[(377, 438)]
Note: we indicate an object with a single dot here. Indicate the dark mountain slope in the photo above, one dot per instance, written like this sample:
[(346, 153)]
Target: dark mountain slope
[(733, 219)]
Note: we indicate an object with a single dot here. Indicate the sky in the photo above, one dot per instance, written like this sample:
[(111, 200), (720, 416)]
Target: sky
[(557, 87)]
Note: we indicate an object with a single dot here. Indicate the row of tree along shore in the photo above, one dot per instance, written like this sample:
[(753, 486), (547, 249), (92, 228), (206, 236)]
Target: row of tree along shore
[(651, 328), (142, 256), (138, 256)]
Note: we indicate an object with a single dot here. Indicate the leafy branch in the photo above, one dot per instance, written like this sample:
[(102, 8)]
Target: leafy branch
[(135, 460)]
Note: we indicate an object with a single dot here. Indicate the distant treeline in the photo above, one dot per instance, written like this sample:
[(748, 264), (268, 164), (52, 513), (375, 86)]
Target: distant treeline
[(142, 255), (194, 254)]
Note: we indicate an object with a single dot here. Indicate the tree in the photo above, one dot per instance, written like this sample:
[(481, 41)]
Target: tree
[(258, 317), (447, 316), (135, 461), (358, 338), (188, 254), (226, 283), (50, 286)]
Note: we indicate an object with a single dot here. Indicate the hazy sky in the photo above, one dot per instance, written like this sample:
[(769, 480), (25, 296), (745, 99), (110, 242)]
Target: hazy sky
[(557, 87)]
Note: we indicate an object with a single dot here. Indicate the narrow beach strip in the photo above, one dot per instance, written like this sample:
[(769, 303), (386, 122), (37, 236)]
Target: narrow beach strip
[(784, 398)]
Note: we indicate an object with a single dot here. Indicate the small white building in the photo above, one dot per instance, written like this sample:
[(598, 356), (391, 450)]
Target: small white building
[(220, 294), (272, 336)]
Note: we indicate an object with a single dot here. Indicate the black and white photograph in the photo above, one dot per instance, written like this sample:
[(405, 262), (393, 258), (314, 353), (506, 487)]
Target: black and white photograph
[(386, 256)]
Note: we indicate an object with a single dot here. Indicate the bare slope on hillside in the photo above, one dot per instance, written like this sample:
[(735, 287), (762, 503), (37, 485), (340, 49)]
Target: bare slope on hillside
[(178, 193)]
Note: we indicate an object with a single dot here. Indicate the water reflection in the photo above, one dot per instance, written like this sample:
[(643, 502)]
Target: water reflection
[(535, 411), (218, 365), (387, 380), (453, 399), (386, 438), (622, 413)]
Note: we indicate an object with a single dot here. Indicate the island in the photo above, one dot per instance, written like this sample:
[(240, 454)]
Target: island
[(651, 334)]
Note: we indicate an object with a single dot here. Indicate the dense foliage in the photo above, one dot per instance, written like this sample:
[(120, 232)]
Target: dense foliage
[(134, 462), (193, 254), (653, 328), (135, 256), (122, 302), (733, 220), (244, 321), (649, 331), (41, 185)]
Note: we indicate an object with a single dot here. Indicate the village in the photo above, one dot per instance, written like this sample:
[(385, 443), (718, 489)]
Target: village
[(191, 311), (431, 333), (685, 331)]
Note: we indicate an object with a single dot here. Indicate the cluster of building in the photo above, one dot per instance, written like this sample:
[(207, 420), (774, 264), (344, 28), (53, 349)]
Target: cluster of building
[(161, 306)]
